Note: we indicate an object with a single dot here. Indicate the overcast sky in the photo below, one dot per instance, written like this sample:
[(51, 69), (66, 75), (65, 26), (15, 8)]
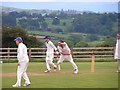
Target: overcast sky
[(60, 0), (95, 6)]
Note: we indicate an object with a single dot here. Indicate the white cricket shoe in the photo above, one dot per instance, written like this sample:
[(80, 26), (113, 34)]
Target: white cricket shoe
[(26, 84), (47, 71), (15, 85), (75, 71)]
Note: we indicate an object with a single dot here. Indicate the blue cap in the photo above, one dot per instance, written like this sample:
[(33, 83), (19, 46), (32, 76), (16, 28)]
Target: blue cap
[(18, 39)]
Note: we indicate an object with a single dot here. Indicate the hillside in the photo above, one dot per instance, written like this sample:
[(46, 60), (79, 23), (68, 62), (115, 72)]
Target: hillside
[(93, 29)]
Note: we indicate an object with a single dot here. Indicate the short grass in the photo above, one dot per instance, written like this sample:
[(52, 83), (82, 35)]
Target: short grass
[(105, 75)]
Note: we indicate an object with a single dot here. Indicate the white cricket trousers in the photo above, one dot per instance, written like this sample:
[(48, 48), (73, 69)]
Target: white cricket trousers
[(21, 72), (69, 58), (49, 61)]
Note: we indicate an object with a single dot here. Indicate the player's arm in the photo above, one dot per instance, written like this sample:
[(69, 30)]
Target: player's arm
[(20, 53), (63, 52), (59, 50), (53, 46)]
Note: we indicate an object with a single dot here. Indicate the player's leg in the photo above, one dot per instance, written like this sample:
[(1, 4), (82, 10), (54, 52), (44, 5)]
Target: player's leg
[(54, 66), (27, 81), (61, 59), (73, 63), (19, 76), (25, 76), (51, 62), (47, 64)]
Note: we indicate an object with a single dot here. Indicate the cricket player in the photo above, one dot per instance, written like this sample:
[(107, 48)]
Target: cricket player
[(23, 61), (50, 54), (117, 52), (65, 53)]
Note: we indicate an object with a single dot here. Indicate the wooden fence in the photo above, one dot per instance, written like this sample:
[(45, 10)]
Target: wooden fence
[(100, 53)]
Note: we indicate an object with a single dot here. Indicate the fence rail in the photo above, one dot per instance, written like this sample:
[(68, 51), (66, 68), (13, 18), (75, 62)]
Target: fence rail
[(84, 53)]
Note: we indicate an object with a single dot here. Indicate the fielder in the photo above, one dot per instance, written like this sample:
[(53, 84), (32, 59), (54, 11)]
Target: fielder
[(23, 61), (65, 53), (50, 54), (117, 52)]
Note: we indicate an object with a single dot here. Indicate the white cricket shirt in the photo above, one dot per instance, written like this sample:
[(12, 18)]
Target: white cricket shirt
[(50, 47), (22, 53), (65, 49)]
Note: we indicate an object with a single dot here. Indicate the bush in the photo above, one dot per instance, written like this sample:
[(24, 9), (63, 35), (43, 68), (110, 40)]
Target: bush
[(81, 44), (10, 33), (56, 21), (108, 42)]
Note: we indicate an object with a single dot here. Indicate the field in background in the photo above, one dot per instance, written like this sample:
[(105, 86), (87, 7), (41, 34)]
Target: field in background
[(105, 75), (66, 37)]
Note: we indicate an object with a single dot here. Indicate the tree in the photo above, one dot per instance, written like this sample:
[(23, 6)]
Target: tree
[(92, 37), (56, 21), (9, 34), (24, 13), (81, 44), (75, 38), (8, 20), (108, 42), (70, 43), (15, 14), (30, 24), (64, 23), (58, 30), (94, 23), (44, 25)]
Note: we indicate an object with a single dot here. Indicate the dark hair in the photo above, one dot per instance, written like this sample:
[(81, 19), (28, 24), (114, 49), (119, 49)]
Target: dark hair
[(61, 41), (47, 37)]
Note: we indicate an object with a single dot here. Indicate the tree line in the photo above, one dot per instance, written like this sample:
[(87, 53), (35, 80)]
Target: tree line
[(74, 40), (91, 23)]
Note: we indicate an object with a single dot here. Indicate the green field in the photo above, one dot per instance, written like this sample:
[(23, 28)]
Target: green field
[(49, 34), (105, 76)]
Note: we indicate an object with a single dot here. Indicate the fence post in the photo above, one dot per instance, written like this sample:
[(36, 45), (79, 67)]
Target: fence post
[(93, 60), (8, 53), (29, 52)]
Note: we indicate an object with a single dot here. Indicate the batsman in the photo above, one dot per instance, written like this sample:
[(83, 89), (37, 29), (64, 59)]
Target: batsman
[(65, 53)]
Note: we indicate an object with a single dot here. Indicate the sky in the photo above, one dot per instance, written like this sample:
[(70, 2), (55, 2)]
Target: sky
[(60, 0), (81, 6)]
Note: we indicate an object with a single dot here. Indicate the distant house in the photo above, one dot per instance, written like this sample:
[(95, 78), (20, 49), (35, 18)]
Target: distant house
[(24, 17)]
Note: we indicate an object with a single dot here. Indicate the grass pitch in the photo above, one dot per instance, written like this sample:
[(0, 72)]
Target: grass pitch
[(105, 76)]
